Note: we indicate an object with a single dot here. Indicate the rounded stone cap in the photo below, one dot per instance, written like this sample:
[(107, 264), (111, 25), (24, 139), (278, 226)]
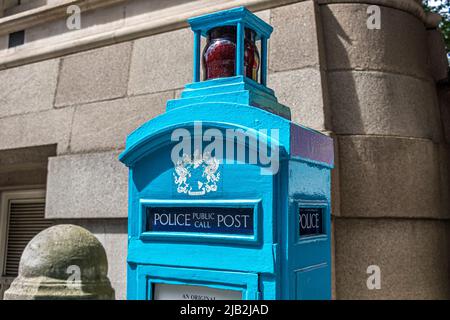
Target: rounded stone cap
[(62, 262), (52, 251)]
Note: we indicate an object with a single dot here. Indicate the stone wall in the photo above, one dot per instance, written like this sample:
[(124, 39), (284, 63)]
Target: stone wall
[(373, 90), (393, 160)]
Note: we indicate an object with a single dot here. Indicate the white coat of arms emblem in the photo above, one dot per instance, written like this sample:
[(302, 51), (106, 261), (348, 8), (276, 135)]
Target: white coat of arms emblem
[(197, 175)]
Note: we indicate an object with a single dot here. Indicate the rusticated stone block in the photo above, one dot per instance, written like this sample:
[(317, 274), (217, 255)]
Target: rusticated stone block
[(384, 104), (105, 125), (90, 185), (161, 62), (413, 257), (296, 38), (94, 75), (389, 177), (304, 92), (400, 45), (335, 181), (444, 157), (36, 129), (29, 88)]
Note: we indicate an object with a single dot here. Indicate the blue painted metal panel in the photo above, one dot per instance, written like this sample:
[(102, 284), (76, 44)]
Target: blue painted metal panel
[(263, 61), (196, 67), (240, 49), (311, 281)]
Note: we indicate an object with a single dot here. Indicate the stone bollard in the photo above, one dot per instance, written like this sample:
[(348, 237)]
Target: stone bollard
[(62, 262)]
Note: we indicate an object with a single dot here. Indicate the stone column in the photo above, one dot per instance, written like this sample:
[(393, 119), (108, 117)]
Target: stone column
[(393, 210)]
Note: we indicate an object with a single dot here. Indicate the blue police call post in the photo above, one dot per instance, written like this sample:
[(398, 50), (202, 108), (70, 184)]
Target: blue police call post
[(228, 199)]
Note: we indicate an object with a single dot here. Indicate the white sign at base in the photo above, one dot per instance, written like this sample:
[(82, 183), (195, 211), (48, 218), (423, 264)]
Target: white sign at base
[(187, 292)]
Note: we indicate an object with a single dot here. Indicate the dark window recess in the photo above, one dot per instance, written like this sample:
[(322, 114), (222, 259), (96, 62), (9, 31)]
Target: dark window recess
[(26, 219), (16, 39)]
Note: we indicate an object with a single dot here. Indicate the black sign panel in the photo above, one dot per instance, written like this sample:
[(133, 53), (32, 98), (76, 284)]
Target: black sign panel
[(310, 221), (223, 220)]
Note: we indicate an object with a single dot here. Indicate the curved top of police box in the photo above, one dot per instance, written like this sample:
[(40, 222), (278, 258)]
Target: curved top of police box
[(157, 131)]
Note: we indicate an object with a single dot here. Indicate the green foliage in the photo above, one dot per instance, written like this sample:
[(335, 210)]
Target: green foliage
[(444, 10)]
